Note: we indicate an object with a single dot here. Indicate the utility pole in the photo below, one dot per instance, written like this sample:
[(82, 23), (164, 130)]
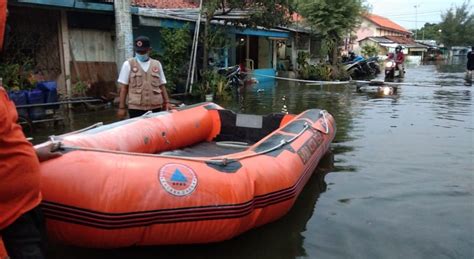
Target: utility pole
[(123, 32), (416, 19)]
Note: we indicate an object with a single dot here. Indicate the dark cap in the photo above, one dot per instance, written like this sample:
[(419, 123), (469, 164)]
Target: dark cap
[(141, 43)]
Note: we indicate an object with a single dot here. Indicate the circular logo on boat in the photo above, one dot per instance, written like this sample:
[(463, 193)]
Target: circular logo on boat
[(177, 179)]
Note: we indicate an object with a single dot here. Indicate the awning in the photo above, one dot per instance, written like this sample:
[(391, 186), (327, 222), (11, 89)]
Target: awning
[(171, 19)]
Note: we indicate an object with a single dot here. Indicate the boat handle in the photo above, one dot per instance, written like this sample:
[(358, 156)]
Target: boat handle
[(324, 126)]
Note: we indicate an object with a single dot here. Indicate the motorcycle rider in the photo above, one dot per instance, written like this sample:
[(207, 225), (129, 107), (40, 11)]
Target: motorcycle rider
[(399, 58)]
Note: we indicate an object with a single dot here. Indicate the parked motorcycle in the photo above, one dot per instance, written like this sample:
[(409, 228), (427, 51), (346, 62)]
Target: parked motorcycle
[(360, 68), (234, 75), (373, 63)]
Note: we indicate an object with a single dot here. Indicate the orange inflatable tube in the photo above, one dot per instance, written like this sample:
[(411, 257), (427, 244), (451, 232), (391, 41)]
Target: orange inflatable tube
[(195, 175)]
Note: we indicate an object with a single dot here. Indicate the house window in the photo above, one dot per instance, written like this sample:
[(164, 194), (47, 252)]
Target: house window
[(302, 42), (315, 48)]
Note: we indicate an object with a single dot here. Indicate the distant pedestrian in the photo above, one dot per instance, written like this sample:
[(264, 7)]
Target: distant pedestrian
[(142, 79), (470, 65), (470, 59)]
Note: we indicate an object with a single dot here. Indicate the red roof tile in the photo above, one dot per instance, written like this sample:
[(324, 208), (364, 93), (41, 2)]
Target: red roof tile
[(296, 17), (166, 4), (386, 23), (401, 39)]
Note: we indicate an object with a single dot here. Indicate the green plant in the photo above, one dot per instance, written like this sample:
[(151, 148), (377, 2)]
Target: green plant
[(212, 83), (17, 74), (369, 51), (332, 19), (80, 88), (175, 55), (302, 59), (323, 72)]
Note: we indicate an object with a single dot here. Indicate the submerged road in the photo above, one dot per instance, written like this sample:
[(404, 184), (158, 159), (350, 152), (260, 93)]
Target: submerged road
[(398, 184)]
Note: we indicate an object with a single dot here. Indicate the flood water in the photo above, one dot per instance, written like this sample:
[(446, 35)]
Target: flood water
[(399, 182)]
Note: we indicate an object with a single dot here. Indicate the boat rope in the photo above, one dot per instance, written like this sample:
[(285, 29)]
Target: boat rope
[(217, 161), (349, 82), (302, 80), (54, 138)]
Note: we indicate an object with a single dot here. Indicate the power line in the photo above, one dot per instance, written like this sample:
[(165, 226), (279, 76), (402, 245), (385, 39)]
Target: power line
[(430, 13), (417, 20), (404, 13)]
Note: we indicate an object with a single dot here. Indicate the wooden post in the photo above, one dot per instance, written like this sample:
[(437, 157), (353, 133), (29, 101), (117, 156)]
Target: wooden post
[(123, 32), (65, 53), (275, 54), (247, 50)]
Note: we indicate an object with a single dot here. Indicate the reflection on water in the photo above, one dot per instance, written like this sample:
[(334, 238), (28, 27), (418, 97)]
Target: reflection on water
[(452, 105), (401, 185)]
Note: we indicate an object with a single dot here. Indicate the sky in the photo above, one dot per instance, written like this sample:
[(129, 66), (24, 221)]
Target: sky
[(413, 13)]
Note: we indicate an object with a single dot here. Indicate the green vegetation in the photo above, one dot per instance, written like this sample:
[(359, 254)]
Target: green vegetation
[(321, 71), (175, 56), (332, 20), (455, 29), (430, 31), (369, 51), (17, 74), (457, 26), (213, 83)]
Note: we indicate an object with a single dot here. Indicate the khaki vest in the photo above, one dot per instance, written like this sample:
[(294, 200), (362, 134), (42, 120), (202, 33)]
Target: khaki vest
[(144, 91)]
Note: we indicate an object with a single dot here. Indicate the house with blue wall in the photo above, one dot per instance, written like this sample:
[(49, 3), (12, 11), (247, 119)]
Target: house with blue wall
[(81, 33)]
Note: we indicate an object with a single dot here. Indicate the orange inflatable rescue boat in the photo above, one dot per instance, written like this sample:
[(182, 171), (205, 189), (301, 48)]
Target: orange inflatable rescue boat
[(198, 174)]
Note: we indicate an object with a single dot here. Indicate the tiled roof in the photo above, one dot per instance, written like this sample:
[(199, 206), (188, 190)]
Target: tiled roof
[(166, 4), (378, 39), (386, 23), (401, 39)]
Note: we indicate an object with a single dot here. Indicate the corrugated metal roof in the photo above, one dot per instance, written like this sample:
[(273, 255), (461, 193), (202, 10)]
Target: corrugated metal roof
[(191, 15), (391, 41)]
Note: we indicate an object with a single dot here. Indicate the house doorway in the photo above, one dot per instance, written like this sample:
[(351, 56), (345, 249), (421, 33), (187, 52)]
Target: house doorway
[(247, 51)]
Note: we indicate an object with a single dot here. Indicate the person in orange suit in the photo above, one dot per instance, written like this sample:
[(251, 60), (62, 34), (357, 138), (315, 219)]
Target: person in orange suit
[(21, 223)]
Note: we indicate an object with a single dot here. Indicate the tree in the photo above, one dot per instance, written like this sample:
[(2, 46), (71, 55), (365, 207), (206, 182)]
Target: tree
[(430, 31), (457, 26), (333, 19), (265, 13), (175, 56)]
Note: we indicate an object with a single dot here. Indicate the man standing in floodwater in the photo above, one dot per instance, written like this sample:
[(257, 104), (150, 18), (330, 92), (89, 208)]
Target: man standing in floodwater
[(142, 79), (470, 66)]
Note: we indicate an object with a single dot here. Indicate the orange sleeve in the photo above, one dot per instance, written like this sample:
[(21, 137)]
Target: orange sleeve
[(5, 118), (3, 252), (19, 167)]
